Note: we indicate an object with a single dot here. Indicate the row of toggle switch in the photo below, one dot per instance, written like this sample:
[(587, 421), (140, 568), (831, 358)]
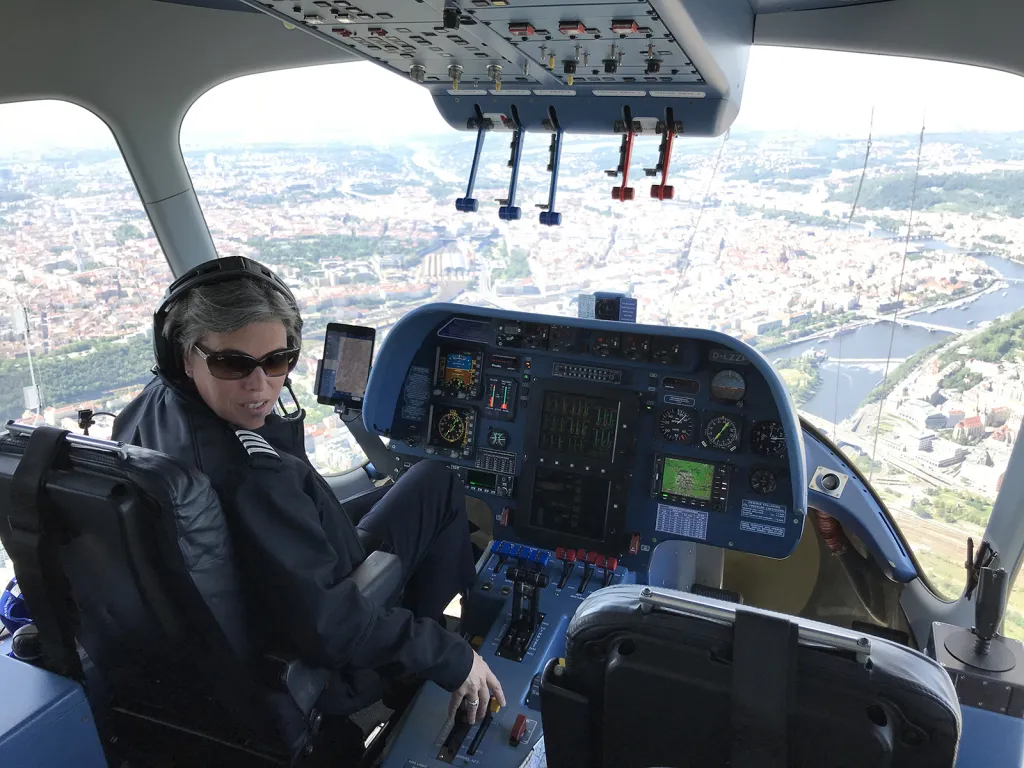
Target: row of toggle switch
[(506, 549), (591, 561)]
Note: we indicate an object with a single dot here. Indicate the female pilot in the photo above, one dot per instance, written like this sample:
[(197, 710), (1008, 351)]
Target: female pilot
[(226, 336)]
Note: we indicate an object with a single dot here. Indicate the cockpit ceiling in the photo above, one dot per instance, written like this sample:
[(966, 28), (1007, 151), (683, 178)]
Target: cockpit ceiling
[(758, 6), (783, 6), (219, 5)]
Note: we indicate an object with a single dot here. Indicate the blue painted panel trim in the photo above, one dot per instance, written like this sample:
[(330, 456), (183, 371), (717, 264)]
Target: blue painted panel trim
[(45, 720), (990, 740), (408, 335), (859, 511)]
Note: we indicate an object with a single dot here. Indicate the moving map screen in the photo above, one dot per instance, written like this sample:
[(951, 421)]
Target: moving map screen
[(348, 353), (688, 479)]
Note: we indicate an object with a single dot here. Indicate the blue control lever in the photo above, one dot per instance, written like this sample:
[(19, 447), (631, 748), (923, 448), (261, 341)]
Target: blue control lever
[(509, 211), (549, 217), (470, 204)]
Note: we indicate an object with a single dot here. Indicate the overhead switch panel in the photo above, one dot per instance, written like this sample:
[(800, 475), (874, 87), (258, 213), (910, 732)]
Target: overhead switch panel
[(570, 55)]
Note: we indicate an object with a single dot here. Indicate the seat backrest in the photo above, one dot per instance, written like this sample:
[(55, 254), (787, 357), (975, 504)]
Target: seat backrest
[(158, 599), (657, 677)]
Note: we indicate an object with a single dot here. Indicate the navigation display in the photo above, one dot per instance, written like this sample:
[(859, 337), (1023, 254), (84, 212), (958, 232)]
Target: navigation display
[(569, 504), (688, 479), (578, 425), (345, 368), (452, 428), (458, 373), (697, 484)]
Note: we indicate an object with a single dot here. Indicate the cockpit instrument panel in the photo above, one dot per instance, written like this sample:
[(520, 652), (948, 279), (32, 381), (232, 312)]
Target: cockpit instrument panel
[(457, 373), (604, 436)]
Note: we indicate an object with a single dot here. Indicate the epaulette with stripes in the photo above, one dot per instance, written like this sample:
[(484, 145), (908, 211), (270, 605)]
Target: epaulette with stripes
[(255, 445)]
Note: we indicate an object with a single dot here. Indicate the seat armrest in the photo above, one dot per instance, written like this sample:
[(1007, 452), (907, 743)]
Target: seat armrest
[(379, 577), (286, 672)]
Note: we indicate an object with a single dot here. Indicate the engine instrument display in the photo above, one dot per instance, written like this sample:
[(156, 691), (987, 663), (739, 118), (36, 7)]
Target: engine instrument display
[(500, 398), (452, 428), (678, 425), (768, 438), (696, 483), (457, 373), (721, 432), (570, 504), (579, 425)]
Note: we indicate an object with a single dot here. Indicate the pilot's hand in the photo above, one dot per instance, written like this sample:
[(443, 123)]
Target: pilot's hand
[(475, 693)]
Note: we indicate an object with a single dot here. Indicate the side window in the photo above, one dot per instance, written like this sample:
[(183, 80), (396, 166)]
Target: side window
[(81, 271)]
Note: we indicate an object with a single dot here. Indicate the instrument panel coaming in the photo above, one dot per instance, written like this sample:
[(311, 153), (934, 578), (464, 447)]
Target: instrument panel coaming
[(607, 436)]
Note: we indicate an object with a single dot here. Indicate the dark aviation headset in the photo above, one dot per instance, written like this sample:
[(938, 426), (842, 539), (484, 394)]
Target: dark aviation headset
[(168, 358)]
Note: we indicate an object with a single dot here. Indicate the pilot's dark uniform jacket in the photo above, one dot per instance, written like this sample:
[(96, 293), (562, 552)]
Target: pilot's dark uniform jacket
[(296, 544)]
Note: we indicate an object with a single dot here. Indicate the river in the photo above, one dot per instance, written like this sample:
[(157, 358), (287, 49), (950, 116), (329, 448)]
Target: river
[(845, 386)]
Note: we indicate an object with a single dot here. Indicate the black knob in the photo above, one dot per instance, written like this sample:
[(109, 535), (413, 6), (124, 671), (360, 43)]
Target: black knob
[(829, 482), (569, 67), (611, 66), (450, 18), (653, 66)]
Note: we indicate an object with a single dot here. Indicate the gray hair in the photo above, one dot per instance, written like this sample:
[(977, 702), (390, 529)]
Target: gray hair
[(226, 307)]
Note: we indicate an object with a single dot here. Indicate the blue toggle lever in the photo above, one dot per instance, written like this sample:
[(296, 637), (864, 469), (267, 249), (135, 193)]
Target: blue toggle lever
[(469, 204), (509, 211), (549, 217)]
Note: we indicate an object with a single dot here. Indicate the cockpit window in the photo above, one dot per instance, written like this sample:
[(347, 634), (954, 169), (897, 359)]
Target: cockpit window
[(876, 267), (80, 271)]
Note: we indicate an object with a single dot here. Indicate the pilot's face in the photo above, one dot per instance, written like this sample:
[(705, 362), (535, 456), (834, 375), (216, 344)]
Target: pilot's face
[(243, 402)]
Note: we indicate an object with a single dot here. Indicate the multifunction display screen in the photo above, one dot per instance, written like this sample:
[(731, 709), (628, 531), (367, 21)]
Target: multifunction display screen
[(569, 504), (578, 425), (688, 479)]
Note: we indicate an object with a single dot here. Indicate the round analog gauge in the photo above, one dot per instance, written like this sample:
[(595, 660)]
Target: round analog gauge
[(763, 481), (723, 433), (728, 385), (497, 438), (451, 427), (677, 424), (768, 438)]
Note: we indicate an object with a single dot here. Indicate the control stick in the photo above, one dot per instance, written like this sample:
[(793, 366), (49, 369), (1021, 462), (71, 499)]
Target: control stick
[(981, 647), (988, 611)]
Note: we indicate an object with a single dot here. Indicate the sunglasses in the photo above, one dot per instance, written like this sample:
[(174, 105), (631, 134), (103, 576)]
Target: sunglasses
[(237, 365)]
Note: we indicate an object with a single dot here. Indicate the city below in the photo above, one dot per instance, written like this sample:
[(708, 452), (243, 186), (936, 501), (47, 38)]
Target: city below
[(904, 349)]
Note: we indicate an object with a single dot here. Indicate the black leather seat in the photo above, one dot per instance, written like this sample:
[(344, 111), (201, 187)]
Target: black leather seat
[(655, 677), (153, 597)]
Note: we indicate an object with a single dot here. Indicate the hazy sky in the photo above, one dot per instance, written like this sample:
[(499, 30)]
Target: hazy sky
[(821, 92)]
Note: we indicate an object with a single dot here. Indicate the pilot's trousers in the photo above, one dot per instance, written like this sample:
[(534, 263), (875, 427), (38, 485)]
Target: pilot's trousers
[(422, 519)]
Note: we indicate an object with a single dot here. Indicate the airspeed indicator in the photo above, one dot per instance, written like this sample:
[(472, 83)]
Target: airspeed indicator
[(677, 425)]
